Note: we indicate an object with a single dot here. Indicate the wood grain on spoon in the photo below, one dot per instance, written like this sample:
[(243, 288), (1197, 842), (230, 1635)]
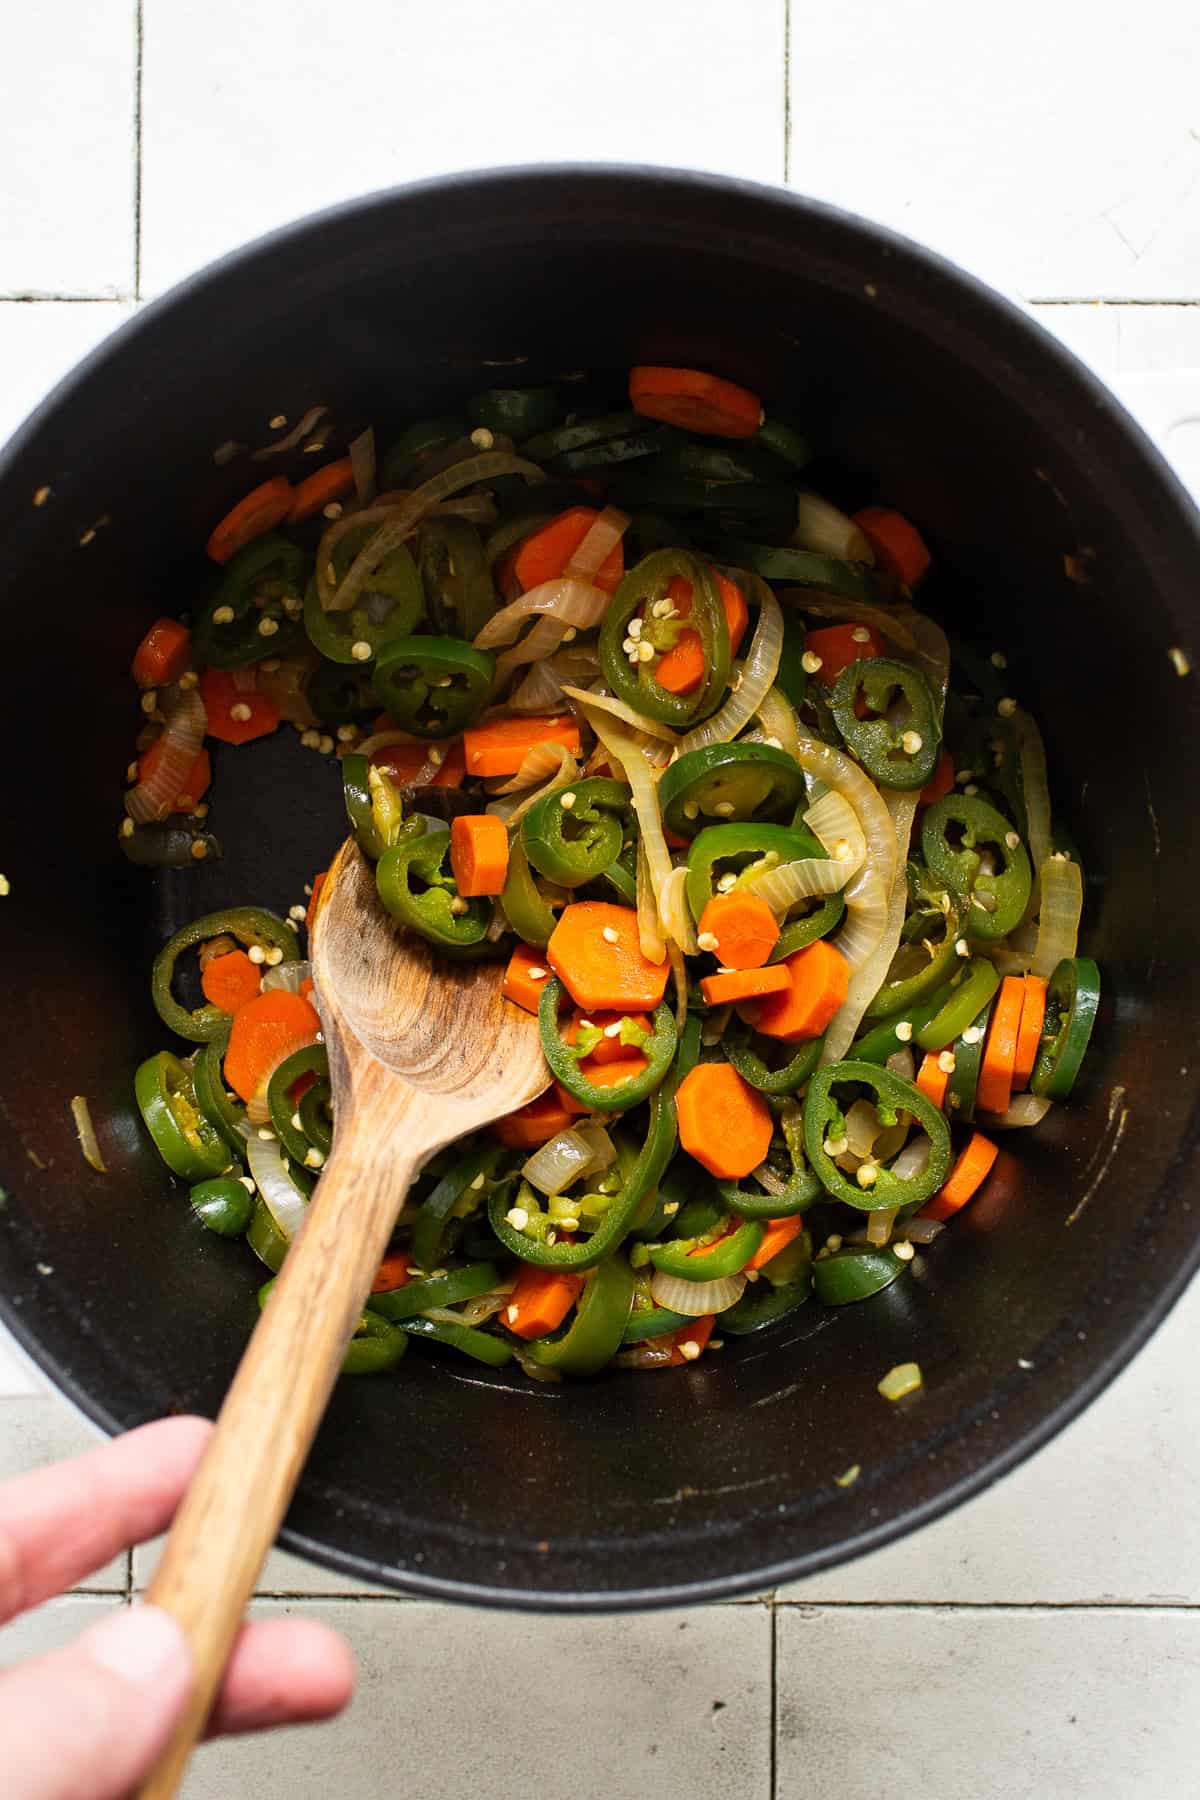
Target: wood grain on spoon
[(420, 1052)]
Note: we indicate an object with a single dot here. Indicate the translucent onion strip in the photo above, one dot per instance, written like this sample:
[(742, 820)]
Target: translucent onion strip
[(398, 523), (679, 976), (598, 543), (675, 915), (879, 1226), (695, 1298), (1058, 921), (646, 732), (1023, 1110), (1036, 785), (289, 975), (88, 1142), (538, 644), (362, 462), (295, 436), (555, 1165), (544, 688), (889, 624), (783, 887), (753, 682), (569, 601), (834, 824), (281, 1197), (842, 775), (650, 934), (538, 763), (621, 744), (181, 741), (513, 808), (821, 526), (862, 915), (777, 716)]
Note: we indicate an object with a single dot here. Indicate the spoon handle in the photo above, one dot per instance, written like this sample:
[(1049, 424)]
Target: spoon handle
[(232, 1511)]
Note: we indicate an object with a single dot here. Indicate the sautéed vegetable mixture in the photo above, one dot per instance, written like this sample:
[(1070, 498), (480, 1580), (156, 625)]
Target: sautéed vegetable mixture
[(618, 699)]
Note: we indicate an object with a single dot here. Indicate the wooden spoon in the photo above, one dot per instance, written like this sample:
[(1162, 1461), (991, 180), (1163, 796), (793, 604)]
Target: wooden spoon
[(420, 1052)]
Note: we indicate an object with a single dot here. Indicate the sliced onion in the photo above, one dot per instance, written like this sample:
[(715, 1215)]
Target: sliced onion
[(556, 1164), (648, 732), (1058, 921), (597, 544), (820, 526), (777, 716), (653, 1353), (535, 647), (695, 1298), (920, 1231), (889, 623), (864, 920), (679, 977), (834, 822), (768, 1180), (484, 1306), (383, 740), (930, 647), (622, 743), (1035, 783), (294, 436), (1023, 1110), (650, 935), (754, 681), (280, 1195), (913, 1159), (675, 915), (544, 688), (603, 1148), (783, 887), (902, 1062), (879, 1226), (539, 762), (397, 522), (513, 807), (569, 601), (715, 1021), (88, 1141), (862, 1128), (182, 738), (289, 975), (362, 461)]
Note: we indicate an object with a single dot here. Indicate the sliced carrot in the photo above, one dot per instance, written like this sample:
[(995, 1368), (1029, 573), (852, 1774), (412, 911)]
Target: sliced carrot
[(321, 489), (540, 1301), (229, 981), (525, 977), (1029, 1032), (723, 1122), (573, 1108), (402, 763), (163, 653), (745, 928), (780, 1233), (967, 1175), (818, 978), (235, 715), (597, 954), (262, 509), (609, 1049), (1000, 1051), (498, 748), (940, 782), (838, 646), (673, 839), (898, 546), (393, 1273), (698, 1333), (478, 854), (318, 882), (195, 783), (744, 984), (681, 668), (694, 401), (933, 1080), (264, 1031), (546, 552), (535, 1123)]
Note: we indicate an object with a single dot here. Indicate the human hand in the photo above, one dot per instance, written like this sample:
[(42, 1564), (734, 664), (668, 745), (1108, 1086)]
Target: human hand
[(88, 1722)]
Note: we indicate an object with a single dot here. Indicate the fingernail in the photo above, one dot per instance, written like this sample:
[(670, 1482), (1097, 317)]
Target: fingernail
[(140, 1644)]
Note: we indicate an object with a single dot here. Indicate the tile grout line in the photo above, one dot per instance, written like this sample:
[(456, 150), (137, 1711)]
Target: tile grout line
[(772, 1742), (65, 300), (1102, 300), (1169, 1608), (787, 91), (139, 40)]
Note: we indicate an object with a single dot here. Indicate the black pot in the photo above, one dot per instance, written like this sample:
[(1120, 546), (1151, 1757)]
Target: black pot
[(1058, 533)]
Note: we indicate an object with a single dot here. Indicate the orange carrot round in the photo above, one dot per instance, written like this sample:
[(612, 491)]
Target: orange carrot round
[(780, 1233), (262, 509), (195, 783), (940, 782), (1000, 1051), (393, 1273), (498, 748), (525, 977), (236, 715), (545, 553), (321, 489), (264, 1031), (694, 401), (898, 545), (478, 854), (1029, 1032), (818, 979), (744, 984), (838, 647), (596, 952), (541, 1300), (698, 1334), (229, 981), (933, 1080), (535, 1123), (163, 654), (964, 1179), (744, 927), (723, 1122)]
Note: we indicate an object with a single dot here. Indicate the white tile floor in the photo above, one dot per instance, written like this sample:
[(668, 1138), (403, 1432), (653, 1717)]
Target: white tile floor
[(1044, 1639)]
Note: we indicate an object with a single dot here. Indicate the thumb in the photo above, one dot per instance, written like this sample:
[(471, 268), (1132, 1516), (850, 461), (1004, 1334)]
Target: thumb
[(87, 1721)]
